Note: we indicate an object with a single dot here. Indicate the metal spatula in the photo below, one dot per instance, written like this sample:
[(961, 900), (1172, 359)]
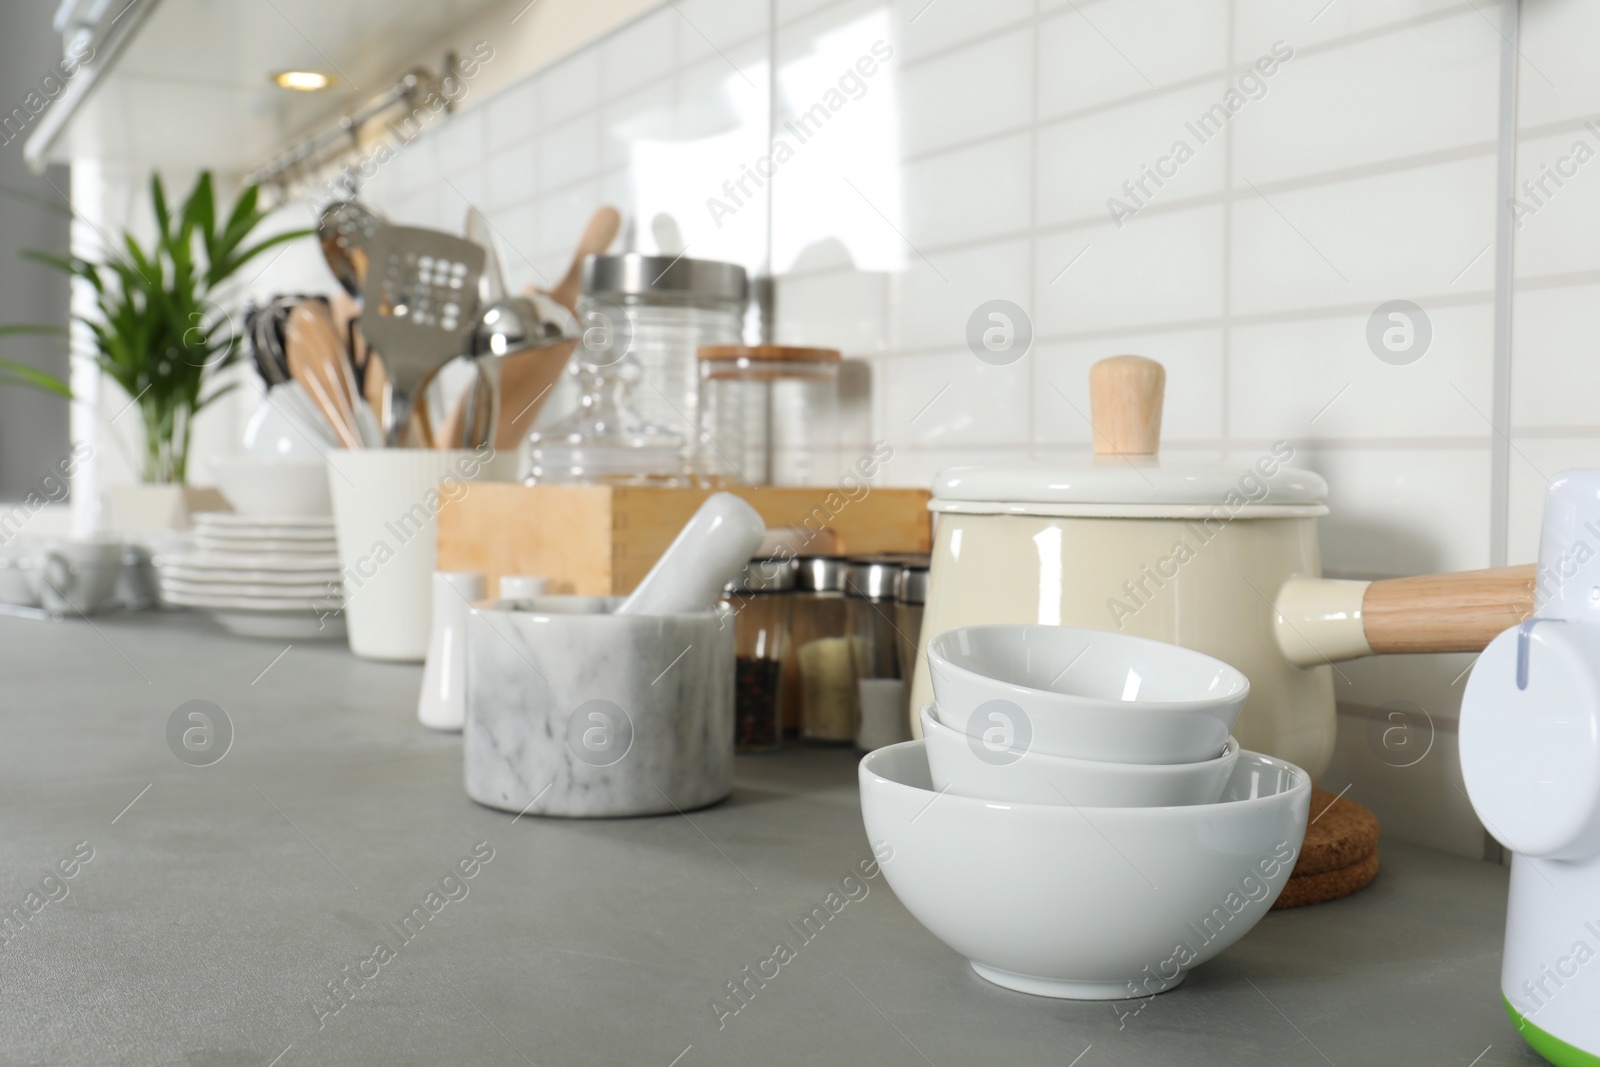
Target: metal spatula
[(420, 304)]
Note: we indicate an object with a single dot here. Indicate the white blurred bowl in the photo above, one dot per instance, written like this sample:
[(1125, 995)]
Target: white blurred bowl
[(998, 769), (1088, 694), (1084, 903), (275, 487)]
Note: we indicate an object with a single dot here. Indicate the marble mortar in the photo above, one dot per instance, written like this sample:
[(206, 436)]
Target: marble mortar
[(572, 711)]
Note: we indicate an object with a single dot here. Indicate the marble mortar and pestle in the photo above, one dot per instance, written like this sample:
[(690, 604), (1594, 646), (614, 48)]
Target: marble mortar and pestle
[(598, 707)]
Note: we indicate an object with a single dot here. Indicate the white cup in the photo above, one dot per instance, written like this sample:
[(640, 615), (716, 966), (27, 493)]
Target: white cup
[(76, 576)]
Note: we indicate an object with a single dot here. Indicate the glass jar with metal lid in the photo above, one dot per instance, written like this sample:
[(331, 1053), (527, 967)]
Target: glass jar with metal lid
[(761, 602), (662, 310), (824, 667), (875, 650), (768, 413)]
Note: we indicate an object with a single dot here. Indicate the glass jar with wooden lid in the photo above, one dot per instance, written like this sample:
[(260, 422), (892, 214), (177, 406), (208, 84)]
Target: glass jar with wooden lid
[(768, 414)]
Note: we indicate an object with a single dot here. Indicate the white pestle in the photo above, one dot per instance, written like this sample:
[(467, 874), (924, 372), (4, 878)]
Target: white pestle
[(708, 553)]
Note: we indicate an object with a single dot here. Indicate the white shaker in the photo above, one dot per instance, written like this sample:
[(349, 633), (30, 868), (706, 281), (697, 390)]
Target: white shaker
[(518, 590), (709, 552), (443, 704)]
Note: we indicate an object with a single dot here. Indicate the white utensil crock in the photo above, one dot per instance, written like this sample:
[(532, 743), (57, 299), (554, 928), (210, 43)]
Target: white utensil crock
[(386, 503)]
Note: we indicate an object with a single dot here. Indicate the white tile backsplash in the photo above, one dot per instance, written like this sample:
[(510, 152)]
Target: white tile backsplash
[(975, 162), (1426, 88), (962, 96), (1085, 163), (1093, 54)]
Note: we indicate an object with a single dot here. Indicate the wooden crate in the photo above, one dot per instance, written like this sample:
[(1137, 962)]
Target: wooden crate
[(597, 540)]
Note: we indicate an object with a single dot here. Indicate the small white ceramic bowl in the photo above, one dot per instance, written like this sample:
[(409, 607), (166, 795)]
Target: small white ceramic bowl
[(1088, 694), (993, 769), (274, 487), (1084, 903)]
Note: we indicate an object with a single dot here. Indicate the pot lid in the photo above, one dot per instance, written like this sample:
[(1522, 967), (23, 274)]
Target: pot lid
[(1135, 481), (1127, 478)]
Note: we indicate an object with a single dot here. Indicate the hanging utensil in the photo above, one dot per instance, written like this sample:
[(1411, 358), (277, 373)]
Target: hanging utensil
[(343, 231), (419, 306)]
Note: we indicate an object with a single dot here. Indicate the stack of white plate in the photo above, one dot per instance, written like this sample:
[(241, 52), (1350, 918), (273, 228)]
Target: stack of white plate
[(260, 576)]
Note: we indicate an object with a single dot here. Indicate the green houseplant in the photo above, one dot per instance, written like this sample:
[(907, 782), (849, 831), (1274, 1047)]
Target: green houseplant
[(159, 328)]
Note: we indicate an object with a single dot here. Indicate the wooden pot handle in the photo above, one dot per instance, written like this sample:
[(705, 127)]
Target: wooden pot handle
[(1321, 620), (1125, 397), (1459, 612)]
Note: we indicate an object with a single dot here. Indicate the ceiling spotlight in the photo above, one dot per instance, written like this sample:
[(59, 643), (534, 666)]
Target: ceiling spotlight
[(307, 81)]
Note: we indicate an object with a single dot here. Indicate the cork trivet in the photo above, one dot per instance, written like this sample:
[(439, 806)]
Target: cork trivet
[(1329, 885), (1341, 833)]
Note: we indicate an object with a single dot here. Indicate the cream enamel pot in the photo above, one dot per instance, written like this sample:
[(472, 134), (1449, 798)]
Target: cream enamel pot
[(1223, 560)]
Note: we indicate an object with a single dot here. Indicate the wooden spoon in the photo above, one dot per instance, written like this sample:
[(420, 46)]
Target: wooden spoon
[(314, 361)]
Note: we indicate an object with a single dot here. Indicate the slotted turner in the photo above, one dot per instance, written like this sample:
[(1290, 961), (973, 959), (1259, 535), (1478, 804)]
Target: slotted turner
[(420, 303)]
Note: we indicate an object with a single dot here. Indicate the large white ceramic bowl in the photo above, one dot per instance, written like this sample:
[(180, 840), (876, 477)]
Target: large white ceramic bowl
[(1084, 903), (1087, 694), (991, 769), (275, 487)]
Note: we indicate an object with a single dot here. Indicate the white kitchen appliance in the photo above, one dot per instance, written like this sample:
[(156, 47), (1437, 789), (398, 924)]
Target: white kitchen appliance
[(1530, 755)]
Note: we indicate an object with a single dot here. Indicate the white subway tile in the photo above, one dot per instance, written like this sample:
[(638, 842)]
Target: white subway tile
[(1534, 462), (969, 193), (706, 27), (1553, 371), (1092, 54), (1402, 235), (640, 52), (644, 115), (460, 140), (932, 300), (1557, 77), (1121, 153), (1158, 268), (1303, 23), (512, 115), (513, 175), (1320, 378), (922, 27), (951, 399), (569, 152), (1402, 511), (570, 87), (844, 310), (977, 92), (1419, 89), (1558, 226), (562, 217)]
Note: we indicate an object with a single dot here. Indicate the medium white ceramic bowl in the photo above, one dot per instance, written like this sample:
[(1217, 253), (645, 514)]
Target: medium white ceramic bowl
[(275, 487), (1087, 694), (992, 769), (1084, 903)]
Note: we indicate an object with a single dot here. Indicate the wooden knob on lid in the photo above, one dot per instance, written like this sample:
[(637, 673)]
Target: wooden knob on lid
[(1125, 395)]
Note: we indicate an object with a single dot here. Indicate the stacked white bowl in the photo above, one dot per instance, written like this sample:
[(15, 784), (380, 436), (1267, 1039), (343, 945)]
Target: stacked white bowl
[(270, 567), (1077, 820)]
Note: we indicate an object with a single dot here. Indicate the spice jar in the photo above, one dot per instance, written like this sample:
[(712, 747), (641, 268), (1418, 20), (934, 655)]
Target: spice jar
[(824, 665), (760, 600), (768, 413), (875, 650)]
